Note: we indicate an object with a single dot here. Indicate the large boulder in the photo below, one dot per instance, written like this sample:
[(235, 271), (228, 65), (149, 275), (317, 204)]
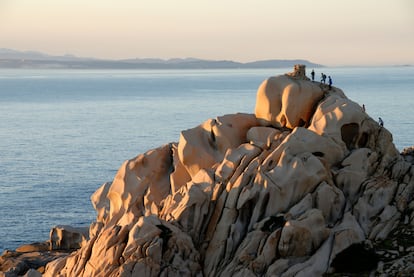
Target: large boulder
[(65, 237), (285, 101)]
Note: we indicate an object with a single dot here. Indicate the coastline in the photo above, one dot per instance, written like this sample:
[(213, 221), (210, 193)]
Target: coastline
[(397, 171)]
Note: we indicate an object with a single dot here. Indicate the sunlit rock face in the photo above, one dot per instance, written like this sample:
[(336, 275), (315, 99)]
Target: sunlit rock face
[(285, 101), (281, 192)]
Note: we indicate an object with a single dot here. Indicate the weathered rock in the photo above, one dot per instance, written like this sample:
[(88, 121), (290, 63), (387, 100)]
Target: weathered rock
[(31, 263), (303, 236), (64, 237), (408, 154), (283, 101), (287, 191), (34, 247), (206, 145), (140, 186), (100, 202), (33, 273)]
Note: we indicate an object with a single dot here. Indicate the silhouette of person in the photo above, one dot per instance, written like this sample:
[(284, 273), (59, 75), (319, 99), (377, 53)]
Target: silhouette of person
[(330, 82), (313, 75), (323, 78), (381, 123), (363, 107)]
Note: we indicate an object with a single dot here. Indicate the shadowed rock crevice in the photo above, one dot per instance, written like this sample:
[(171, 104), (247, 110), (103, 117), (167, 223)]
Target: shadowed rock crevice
[(349, 134), (273, 223), (165, 236), (356, 258)]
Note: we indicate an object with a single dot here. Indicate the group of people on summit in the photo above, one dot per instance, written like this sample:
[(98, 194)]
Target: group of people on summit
[(323, 78), (323, 81)]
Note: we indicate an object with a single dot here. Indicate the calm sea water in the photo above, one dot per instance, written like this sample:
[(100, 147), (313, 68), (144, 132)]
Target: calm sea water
[(65, 132)]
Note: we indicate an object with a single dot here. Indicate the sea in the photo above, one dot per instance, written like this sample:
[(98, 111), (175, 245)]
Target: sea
[(64, 132)]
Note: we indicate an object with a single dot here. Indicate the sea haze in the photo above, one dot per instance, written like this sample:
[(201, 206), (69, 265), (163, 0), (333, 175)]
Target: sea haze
[(65, 132)]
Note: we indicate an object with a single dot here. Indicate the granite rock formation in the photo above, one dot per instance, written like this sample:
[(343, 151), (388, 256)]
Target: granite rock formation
[(288, 191), (281, 192)]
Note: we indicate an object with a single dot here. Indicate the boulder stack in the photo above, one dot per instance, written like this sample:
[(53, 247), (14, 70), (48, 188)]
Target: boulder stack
[(295, 189), (287, 191)]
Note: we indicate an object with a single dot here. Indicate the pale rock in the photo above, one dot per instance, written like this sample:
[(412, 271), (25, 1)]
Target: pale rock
[(227, 244), (259, 248), (355, 170), (223, 231), (386, 150), (13, 263), (218, 239), (408, 178), (189, 206), (246, 253), (34, 247), (286, 102), (331, 201), (362, 159), (405, 194), (234, 159), (267, 253), (64, 237), (262, 136), (288, 174), (140, 236), (205, 145), (378, 193), (144, 178), (348, 232), (302, 236), (100, 202), (54, 267), (244, 272), (301, 141), (95, 228), (315, 265), (385, 223), (278, 267), (179, 177), (340, 119), (400, 168), (300, 208), (144, 248)]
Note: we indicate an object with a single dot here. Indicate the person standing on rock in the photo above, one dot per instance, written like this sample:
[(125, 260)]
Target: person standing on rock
[(323, 78), (330, 82), (313, 75), (381, 123)]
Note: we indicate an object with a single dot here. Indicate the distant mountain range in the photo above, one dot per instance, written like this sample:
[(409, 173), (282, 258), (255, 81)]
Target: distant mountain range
[(29, 59)]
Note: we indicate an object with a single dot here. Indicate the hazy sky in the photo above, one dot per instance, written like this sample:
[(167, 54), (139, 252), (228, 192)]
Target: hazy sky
[(345, 32)]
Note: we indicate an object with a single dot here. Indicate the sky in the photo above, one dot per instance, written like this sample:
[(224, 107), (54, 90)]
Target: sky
[(329, 32)]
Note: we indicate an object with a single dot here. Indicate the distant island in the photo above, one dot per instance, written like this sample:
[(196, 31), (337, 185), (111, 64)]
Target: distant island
[(29, 59)]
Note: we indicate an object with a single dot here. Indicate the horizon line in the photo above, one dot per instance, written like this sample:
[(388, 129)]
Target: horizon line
[(189, 58)]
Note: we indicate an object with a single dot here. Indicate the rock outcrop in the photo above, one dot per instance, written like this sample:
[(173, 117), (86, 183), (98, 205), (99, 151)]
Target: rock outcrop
[(292, 190)]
